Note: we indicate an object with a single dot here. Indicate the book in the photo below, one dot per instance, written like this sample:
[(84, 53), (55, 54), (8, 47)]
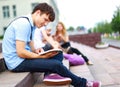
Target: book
[(48, 51)]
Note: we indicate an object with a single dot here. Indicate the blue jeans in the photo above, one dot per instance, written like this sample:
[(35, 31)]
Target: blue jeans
[(53, 65)]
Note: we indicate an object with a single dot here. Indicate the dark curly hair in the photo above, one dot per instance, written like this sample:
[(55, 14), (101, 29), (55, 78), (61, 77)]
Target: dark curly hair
[(45, 8)]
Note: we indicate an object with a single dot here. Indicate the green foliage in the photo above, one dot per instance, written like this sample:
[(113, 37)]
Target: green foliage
[(70, 28), (90, 30), (116, 20), (103, 27)]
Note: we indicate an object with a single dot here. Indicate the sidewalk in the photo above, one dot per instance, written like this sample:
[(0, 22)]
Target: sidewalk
[(115, 43), (106, 66)]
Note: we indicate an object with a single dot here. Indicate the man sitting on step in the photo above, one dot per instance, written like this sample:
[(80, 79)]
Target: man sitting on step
[(18, 49)]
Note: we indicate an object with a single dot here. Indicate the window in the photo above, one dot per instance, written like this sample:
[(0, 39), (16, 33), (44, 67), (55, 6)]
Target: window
[(14, 10), (34, 4), (6, 11)]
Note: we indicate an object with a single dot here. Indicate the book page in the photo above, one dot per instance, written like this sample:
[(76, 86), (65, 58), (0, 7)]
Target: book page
[(48, 51)]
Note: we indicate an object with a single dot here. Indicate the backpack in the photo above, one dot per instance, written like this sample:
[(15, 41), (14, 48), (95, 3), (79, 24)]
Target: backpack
[(74, 59)]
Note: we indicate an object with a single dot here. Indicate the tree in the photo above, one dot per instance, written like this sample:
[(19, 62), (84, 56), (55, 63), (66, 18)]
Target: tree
[(116, 20), (103, 27), (90, 30), (70, 28)]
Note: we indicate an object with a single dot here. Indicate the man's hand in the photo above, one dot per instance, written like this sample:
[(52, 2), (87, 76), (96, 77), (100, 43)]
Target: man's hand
[(49, 54), (39, 50)]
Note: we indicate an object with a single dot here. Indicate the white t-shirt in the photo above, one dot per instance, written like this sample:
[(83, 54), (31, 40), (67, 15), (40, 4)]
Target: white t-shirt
[(38, 38)]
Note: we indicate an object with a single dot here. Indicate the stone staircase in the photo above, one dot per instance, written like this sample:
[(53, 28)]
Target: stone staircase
[(10, 79), (80, 70), (27, 79)]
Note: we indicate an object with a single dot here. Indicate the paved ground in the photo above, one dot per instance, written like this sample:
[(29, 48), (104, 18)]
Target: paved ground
[(112, 42), (106, 66)]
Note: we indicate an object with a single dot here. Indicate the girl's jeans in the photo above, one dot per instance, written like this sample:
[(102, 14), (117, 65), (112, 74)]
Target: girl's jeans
[(53, 65)]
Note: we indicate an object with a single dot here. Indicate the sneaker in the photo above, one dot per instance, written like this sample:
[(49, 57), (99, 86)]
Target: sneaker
[(93, 84), (55, 79), (89, 63)]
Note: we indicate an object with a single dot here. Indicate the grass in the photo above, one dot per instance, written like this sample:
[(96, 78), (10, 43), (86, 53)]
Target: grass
[(117, 38), (1, 37), (101, 43)]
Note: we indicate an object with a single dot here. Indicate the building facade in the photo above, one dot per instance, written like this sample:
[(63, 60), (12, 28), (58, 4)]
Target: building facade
[(10, 9)]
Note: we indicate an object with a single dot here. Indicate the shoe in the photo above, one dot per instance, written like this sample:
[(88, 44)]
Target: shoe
[(55, 79), (89, 63), (93, 84)]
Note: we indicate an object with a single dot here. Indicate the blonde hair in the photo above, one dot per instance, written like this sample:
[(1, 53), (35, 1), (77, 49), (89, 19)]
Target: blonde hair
[(63, 30)]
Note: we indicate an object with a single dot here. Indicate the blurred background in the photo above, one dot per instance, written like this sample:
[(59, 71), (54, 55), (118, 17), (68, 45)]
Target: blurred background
[(87, 22), (79, 16)]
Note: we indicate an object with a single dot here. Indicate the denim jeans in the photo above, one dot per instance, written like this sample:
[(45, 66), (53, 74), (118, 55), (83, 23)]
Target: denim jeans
[(53, 65)]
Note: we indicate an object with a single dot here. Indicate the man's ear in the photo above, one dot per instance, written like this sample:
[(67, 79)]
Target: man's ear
[(38, 12)]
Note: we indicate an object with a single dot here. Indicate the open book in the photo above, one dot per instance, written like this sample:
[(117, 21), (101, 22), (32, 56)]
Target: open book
[(48, 51)]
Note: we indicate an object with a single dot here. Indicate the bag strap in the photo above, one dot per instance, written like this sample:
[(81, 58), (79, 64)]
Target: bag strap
[(28, 21)]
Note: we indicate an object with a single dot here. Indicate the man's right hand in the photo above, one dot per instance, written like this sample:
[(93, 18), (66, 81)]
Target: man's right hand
[(39, 50), (48, 55)]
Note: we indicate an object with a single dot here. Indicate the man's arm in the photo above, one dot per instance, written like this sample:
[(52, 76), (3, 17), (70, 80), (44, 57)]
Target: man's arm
[(50, 40), (32, 46), (23, 53)]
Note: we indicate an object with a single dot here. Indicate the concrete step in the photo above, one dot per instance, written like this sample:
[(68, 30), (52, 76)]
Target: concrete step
[(25, 79), (66, 63), (82, 71), (10, 79), (39, 82), (2, 65)]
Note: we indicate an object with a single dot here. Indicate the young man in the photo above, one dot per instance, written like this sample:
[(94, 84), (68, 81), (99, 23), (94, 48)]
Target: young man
[(42, 39), (18, 49)]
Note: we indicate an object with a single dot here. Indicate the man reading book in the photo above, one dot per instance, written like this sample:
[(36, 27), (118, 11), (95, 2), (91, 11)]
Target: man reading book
[(18, 50)]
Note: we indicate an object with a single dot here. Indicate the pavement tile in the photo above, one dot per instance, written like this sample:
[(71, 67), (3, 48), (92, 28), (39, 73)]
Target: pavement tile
[(106, 67), (79, 68), (43, 85), (110, 69), (105, 79), (10, 79), (116, 77), (82, 71), (111, 86)]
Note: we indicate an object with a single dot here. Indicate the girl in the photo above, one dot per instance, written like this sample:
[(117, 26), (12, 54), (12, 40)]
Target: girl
[(62, 37)]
